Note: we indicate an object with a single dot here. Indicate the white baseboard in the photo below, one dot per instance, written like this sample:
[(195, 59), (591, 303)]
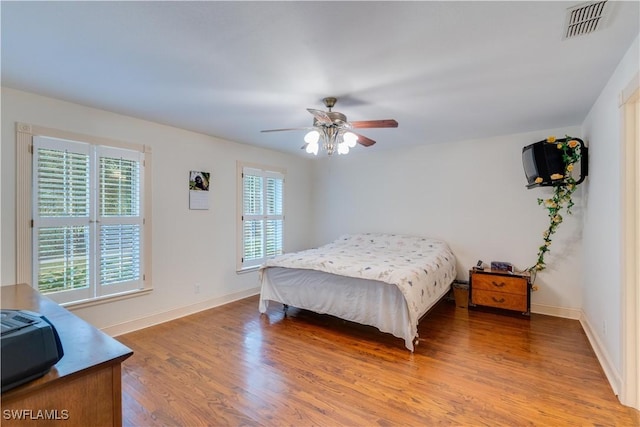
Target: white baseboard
[(614, 378), (549, 310), (157, 318)]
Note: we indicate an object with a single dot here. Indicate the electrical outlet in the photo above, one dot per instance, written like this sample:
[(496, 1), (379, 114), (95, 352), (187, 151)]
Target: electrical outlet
[(197, 288)]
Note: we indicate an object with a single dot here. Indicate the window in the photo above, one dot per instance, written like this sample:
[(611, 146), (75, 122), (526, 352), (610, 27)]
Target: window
[(262, 216), (85, 198), (87, 221)]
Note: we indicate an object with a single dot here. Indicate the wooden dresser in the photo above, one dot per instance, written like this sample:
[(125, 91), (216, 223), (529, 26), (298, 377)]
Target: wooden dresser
[(83, 388), (502, 290)]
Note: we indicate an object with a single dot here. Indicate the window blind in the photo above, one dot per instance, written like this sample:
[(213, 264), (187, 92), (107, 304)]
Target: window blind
[(63, 183), (119, 253), (63, 258), (61, 217), (119, 187), (274, 221)]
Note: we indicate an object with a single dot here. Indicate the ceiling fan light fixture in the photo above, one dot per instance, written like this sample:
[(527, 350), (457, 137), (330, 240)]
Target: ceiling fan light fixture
[(332, 130)]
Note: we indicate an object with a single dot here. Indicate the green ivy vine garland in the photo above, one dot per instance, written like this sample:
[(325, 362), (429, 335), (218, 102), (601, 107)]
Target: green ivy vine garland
[(561, 199)]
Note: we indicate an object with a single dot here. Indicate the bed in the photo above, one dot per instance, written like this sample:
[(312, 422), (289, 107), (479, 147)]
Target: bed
[(388, 281)]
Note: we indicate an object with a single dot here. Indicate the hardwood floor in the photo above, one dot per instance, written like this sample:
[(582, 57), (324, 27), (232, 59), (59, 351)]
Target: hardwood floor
[(232, 366)]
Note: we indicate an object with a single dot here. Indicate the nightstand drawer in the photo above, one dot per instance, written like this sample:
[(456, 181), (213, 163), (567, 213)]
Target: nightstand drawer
[(498, 299), (505, 284)]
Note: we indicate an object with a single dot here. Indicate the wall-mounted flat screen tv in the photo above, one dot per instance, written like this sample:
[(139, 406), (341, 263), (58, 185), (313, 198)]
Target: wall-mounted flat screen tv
[(543, 159)]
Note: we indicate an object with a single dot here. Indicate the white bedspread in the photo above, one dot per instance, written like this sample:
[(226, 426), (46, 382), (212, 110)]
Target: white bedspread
[(420, 267)]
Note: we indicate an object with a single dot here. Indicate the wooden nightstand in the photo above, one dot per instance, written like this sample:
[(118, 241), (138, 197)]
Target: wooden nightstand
[(499, 289)]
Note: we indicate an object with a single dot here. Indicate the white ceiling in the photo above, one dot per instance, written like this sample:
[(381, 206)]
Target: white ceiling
[(446, 71)]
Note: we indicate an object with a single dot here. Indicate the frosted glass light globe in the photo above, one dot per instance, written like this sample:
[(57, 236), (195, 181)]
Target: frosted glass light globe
[(312, 137), (350, 139)]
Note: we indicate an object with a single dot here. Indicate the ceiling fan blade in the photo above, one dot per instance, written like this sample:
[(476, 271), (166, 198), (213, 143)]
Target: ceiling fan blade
[(386, 123), (363, 140), (321, 116), (285, 129)]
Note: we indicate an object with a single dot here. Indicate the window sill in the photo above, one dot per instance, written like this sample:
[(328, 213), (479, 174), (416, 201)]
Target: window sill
[(105, 299), (248, 269)]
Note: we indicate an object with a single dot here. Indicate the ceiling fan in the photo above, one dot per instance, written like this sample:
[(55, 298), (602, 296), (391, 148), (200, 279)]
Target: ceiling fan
[(335, 131)]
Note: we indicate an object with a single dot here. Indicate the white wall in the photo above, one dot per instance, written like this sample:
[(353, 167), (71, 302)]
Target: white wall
[(602, 300), (189, 246), (470, 193)]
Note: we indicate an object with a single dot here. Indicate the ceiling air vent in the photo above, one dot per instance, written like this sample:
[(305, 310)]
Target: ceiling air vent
[(584, 18)]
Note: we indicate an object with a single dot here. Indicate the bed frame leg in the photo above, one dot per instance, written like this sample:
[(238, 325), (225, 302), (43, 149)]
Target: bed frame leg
[(416, 340), (285, 307)]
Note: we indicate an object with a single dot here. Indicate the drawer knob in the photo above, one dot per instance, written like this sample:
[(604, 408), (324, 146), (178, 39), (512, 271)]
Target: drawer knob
[(501, 300), (498, 285)]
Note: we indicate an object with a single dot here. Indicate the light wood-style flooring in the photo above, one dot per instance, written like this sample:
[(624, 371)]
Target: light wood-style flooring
[(232, 366)]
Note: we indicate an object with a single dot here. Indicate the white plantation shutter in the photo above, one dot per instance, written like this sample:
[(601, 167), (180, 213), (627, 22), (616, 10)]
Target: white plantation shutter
[(252, 225), (62, 208), (87, 219), (273, 226), (119, 253), (262, 215), (63, 181), (120, 220), (119, 185), (63, 258)]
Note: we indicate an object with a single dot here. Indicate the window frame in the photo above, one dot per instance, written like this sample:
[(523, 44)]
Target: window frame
[(266, 172), (25, 262)]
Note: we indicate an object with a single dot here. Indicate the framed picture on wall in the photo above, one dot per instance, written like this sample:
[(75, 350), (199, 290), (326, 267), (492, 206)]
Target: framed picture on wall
[(199, 190)]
